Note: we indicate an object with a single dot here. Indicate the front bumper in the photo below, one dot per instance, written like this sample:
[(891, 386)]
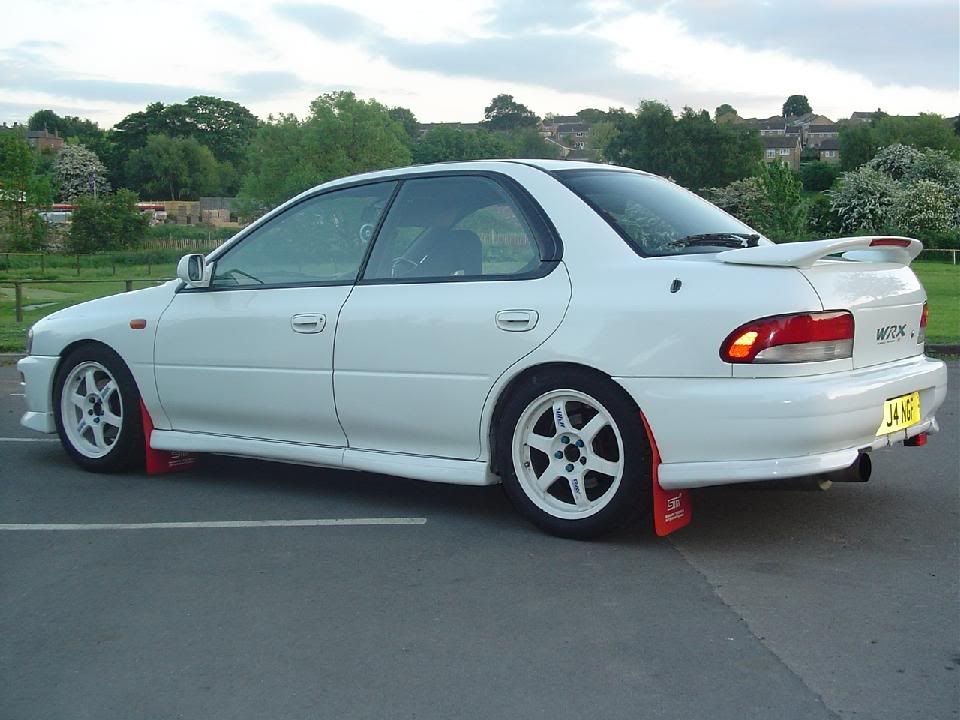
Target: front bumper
[(715, 431), (38, 372)]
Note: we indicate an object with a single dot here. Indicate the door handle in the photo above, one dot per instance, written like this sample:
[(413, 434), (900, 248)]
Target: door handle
[(517, 320), (308, 323)]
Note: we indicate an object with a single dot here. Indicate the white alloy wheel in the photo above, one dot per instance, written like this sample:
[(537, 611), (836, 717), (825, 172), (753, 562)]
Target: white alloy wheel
[(568, 454), (91, 409)]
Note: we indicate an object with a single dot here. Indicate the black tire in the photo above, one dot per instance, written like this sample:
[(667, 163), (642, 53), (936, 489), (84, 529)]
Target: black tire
[(630, 501), (127, 450)]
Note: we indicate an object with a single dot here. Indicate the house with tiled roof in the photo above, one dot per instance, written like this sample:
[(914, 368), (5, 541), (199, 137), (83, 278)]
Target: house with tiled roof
[(782, 148), (815, 134), (829, 150), (42, 140)]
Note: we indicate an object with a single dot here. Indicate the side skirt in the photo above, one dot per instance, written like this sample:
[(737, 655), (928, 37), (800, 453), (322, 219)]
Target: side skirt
[(416, 467)]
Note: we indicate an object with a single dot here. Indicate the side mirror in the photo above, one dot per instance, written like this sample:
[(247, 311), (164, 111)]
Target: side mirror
[(194, 272)]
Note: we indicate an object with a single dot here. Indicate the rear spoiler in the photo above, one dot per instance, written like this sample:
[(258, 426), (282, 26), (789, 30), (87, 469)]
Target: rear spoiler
[(866, 248)]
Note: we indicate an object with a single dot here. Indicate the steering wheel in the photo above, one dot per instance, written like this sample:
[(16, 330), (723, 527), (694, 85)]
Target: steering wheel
[(398, 265), (366, 232)]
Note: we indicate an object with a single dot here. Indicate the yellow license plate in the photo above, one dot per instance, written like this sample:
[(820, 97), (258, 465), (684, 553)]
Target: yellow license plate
[(899, 413)]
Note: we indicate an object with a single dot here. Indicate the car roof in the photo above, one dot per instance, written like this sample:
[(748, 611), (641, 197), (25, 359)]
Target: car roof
[(504, 164)]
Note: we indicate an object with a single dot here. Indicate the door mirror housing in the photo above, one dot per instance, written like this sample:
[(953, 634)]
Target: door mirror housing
[(193, 271)]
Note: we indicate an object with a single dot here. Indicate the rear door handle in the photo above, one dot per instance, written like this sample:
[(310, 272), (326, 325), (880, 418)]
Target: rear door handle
[(517, 320), (308, 323)]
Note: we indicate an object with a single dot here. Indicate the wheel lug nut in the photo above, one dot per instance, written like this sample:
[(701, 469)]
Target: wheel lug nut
[(579, 443), (583, 461), (558, 454), (569, 468), (564, 439)]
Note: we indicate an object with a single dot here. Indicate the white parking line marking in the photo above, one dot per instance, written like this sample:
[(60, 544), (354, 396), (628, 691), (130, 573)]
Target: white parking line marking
[(17, 395), (318, 522), (6, 439)]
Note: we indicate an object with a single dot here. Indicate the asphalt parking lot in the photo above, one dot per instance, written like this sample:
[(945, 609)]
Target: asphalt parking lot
[(772, 604)]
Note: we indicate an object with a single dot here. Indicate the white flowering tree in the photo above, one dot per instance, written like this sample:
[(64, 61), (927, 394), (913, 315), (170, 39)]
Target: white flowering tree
[(903, 190), (864, 200), (78, 171), (926, 208)]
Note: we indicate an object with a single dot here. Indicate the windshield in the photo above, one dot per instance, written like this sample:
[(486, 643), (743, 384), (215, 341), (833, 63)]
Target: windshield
[(656, 216)]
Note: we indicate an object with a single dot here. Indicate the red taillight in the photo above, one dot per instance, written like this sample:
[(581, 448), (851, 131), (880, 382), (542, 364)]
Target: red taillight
[(804, 337), (895, 242), (922, 335)]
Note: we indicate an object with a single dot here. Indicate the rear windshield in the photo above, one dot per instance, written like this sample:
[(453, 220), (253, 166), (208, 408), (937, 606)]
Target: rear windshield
[(656, 216)]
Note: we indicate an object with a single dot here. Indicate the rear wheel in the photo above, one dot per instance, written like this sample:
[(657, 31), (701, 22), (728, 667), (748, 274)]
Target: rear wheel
[(97, 410), (574, 455)]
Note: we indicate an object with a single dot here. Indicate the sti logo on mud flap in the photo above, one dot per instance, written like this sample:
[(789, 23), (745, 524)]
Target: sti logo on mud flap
[(673, 503), (891, 333)]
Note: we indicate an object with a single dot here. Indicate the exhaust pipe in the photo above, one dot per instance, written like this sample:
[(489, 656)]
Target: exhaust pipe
[(858, 472)]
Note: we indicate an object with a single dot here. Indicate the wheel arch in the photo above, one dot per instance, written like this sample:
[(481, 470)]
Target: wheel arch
[(76, 345), (524, 376)]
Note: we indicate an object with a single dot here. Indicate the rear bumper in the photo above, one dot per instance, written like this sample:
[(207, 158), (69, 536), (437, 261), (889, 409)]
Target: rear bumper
[(714, 431), (38, 372)]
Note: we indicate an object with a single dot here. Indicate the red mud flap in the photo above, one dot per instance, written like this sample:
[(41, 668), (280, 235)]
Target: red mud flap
[(162, 461), (672, 509)]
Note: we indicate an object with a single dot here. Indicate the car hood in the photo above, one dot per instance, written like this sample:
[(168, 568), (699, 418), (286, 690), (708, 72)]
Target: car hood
[(105, 319)]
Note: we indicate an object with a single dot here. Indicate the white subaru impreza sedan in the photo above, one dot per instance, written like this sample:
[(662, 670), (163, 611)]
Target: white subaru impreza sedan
[(597, 339)]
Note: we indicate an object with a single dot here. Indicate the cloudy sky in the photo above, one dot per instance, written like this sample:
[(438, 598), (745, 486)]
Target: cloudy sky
[(445, 59)]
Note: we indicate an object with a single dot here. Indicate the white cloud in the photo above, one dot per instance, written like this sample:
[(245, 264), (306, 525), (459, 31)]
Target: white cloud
[(219, 46)]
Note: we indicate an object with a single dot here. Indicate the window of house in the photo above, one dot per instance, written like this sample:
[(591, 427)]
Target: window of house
[(771, 153), (784, 151), (579, 133)]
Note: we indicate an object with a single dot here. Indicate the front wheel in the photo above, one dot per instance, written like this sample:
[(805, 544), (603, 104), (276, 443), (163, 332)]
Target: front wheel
[(97, 410), (574, 454)]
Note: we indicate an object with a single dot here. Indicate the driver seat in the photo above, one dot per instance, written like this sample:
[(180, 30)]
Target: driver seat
[(451, 254)]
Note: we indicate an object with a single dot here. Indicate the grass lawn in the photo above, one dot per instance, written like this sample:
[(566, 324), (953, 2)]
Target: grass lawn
[(942, 281)]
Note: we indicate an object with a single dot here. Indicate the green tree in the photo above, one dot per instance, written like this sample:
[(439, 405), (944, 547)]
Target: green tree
[(445, 143), (505, 113), (725, 111), (408, 120), (529, 143), (224, 126), (644, 139), (822, 221), (22, 193), (78, 171), (591, 115), (858, 143), (693, 150), (174, 169), (796, 105), (927, 130), (107, 222), (818, 176), (783, 218), (341, 136), (602, 135)]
